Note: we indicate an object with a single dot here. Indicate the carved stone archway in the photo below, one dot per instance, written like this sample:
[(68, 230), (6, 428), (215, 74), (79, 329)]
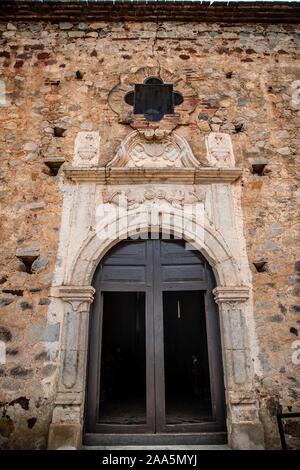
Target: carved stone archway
[(87, 236)]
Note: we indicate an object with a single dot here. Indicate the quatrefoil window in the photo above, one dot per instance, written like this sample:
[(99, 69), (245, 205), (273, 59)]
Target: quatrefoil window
[(153, 99)]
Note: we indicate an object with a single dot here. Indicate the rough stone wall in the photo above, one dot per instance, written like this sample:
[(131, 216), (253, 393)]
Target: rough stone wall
[(58, 78)]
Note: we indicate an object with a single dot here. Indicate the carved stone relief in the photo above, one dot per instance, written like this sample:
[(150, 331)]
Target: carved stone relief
[(162, 153), (76, 302), (151, 196), (154, 148), (219, 150), (86, 150)]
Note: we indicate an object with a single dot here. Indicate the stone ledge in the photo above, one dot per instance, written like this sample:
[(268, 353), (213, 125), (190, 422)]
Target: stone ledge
[(54, 163), (151, 175)]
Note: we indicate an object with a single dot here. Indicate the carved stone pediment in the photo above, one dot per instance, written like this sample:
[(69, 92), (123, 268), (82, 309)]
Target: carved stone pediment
[(154, 149)]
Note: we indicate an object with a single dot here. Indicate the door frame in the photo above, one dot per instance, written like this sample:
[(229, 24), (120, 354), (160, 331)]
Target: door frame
[(85, 239), (155, 383)]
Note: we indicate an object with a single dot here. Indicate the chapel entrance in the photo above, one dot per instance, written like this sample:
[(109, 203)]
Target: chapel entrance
[(155, 365)]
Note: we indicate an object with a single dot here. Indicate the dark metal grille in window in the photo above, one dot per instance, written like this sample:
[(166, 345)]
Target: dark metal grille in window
[(153, 99)]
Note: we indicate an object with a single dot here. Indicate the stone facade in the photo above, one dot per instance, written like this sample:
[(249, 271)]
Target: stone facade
[(69, 141)]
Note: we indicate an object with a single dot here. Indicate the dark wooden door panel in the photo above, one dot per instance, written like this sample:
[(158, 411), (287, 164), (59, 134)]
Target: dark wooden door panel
[(157, 269)]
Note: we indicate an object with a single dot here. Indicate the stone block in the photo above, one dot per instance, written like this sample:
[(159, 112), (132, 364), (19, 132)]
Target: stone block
[(65, 25), (48, 370), (285, 151), (62, 435), (39, 264), (258, 165), (26, 305), (242, 102), (33, 333), (5, 334), (82, 26), (54, 163), (51, 333), (28, 254), (6, 301), (11, 27), (76, 34), (47, 279), (34, 206), (246, 436), (239, 358), (66, 414)]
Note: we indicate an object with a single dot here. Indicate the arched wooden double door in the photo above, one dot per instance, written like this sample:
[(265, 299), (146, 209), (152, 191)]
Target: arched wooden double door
[(154, 362)]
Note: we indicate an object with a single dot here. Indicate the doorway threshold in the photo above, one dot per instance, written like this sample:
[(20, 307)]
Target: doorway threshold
[(150, 440), (174, 448)]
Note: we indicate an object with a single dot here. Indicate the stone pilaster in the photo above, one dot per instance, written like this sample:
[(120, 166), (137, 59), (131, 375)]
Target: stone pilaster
[(66, 426), (244, 427)]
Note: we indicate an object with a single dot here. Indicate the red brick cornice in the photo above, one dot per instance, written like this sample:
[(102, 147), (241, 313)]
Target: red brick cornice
[(122, 10)]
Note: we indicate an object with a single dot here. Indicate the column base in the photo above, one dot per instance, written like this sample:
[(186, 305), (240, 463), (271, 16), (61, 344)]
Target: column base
[(64, 436), (247, 436)]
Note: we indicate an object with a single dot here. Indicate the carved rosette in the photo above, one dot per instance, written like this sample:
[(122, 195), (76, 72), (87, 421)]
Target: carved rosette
[(74, 342)]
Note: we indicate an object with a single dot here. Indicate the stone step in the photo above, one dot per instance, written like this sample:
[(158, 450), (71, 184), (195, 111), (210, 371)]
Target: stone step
[(174, 448)]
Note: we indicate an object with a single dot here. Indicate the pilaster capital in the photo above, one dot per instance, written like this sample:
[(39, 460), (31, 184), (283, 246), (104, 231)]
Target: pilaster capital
[(234, 294), (74, 295)]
